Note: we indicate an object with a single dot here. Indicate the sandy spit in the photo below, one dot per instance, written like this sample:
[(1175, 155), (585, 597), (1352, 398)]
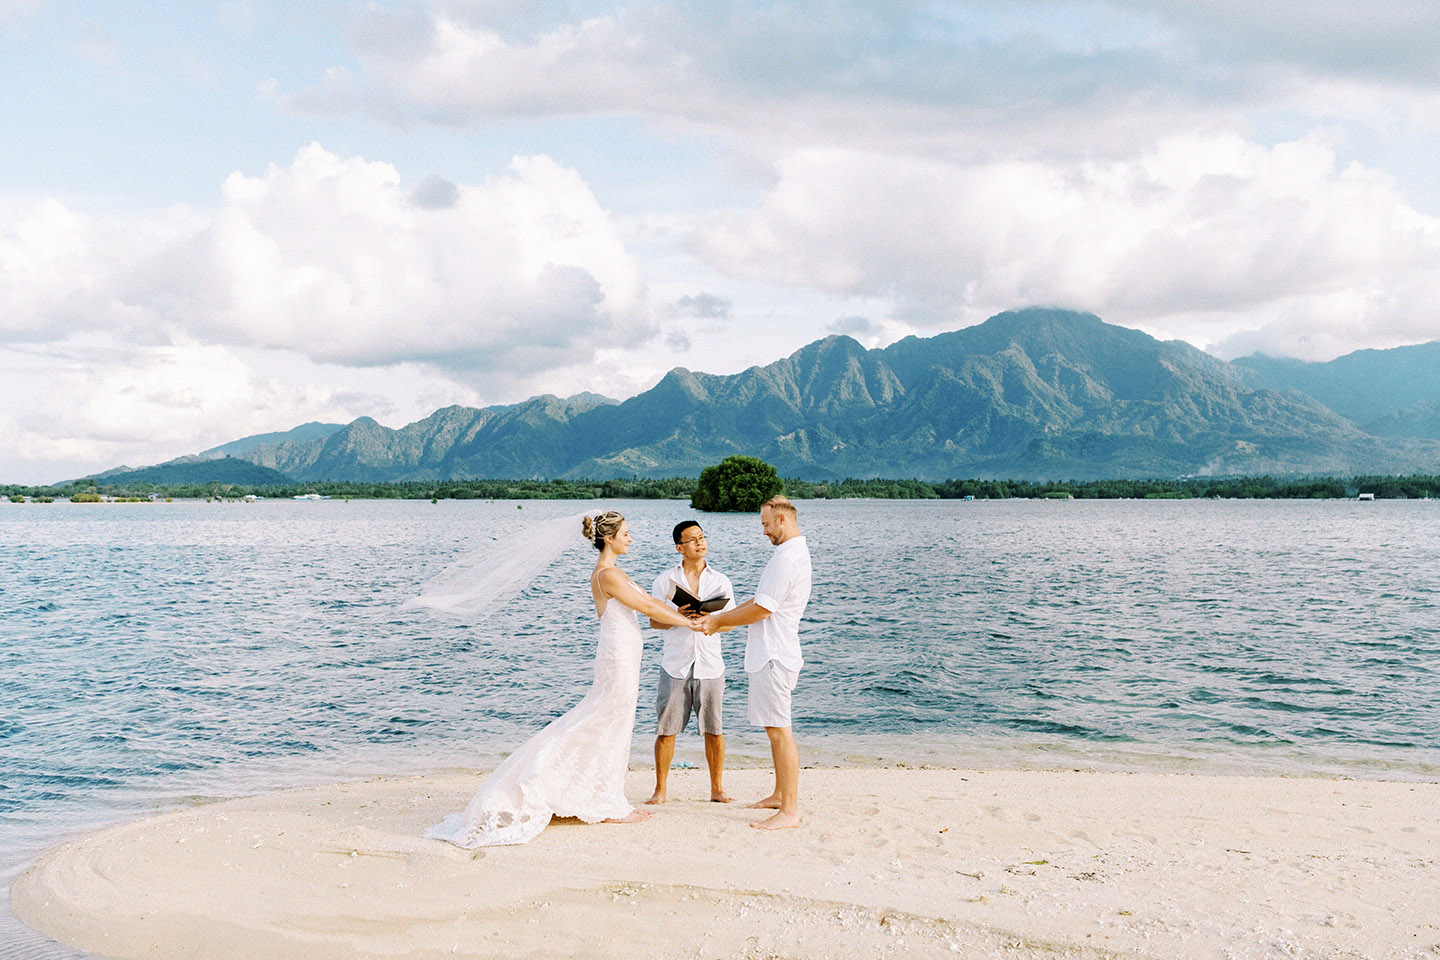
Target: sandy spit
[(892, 863)]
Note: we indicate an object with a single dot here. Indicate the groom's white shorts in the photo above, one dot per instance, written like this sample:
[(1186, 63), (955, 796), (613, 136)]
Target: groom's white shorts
[(770, 689)]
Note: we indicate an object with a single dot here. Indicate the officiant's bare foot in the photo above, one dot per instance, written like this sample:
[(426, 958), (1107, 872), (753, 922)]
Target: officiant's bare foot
[(720, 796), (781, 821), (657, 797), (771, 802), (634, 816)]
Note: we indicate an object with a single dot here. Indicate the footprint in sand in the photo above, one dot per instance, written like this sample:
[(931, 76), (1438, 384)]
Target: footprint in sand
[(1150, 839)]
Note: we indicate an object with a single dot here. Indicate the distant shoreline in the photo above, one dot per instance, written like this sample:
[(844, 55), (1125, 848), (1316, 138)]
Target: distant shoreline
[(1414, 487)]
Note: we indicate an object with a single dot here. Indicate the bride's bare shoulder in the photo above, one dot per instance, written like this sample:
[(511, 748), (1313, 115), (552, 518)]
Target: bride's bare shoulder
[(609, 578)]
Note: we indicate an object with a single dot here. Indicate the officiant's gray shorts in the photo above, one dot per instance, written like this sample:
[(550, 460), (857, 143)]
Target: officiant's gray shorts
[(675, 700)]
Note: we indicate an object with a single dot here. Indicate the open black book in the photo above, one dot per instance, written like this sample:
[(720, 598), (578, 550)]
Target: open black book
[(684, 598)]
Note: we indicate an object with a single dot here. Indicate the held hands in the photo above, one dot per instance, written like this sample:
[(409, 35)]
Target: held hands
[(698, 621)]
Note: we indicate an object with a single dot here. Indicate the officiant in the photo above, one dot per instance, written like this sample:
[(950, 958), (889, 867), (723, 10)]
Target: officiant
[(692, 673)]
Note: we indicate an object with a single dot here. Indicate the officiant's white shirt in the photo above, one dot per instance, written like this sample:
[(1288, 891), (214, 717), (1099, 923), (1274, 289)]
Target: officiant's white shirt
[(685, 647), (784, 590)]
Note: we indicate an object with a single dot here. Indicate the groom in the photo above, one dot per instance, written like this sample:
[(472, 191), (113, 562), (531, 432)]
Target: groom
[(772, 652)]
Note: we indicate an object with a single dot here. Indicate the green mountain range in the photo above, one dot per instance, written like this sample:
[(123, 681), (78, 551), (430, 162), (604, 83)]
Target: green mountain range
[(314, 430), (1387, 393), (1028, 394)]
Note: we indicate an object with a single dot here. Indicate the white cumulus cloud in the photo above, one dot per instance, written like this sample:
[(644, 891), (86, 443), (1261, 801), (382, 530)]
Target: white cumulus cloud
[(1216, 231), (987, 78), (92, 402), (326, 289), (335, 259)]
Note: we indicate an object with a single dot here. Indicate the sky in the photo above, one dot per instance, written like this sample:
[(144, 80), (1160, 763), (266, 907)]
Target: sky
[(219, 219)]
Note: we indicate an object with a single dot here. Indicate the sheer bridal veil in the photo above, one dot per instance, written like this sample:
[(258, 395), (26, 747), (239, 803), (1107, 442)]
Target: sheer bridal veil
[(498, 569)]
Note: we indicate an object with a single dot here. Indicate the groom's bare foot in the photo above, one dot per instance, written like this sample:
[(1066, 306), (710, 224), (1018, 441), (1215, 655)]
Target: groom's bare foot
[(718, 795), (634, 816), (657, 797), (771, 802), (781, 821)]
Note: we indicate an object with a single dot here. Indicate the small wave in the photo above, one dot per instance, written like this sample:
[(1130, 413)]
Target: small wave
[(1035, 725), (35, 787), (1253, 733), (1346, 736), (887, 688), (1280, 679), (1284, 706), (1380, 644)]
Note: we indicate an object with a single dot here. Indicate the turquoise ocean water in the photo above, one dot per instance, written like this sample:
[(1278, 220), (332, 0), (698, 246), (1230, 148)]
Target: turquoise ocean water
[(153, 653)]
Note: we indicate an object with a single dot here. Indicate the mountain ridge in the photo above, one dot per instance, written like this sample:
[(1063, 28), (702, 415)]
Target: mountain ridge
[(1395, 390), (1035, 393)]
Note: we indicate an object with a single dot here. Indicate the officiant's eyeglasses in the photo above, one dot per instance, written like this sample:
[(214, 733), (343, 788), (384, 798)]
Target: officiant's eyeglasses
[(691, 541)]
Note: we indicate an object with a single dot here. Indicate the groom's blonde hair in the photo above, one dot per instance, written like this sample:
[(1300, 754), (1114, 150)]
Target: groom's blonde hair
[(780, 504)]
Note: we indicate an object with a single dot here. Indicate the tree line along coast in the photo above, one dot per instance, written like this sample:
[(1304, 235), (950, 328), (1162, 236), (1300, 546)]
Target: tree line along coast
[(1416, 487)]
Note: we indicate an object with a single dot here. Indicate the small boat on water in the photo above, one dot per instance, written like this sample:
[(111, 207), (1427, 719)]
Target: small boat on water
[(1365, 496), (311, 496)]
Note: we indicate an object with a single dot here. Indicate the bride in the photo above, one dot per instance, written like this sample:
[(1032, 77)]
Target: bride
[(575, 767)]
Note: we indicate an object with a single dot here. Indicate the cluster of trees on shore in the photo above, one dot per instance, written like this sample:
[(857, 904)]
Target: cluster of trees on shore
[(684, 488)]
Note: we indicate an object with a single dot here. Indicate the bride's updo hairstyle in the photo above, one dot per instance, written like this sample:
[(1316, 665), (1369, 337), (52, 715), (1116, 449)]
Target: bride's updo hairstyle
[(601, 526)]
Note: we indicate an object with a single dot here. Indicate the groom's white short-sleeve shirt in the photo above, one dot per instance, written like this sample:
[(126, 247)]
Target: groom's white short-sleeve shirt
[(684, 646), (784, 590)]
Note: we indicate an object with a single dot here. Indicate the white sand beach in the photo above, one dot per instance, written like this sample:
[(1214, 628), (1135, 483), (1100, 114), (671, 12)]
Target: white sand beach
[(891, 863)]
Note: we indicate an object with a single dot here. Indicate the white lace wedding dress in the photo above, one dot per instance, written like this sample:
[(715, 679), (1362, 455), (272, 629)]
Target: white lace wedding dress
[(575, 767)]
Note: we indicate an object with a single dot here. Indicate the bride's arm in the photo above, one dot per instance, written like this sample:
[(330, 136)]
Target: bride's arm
[(617, 586)]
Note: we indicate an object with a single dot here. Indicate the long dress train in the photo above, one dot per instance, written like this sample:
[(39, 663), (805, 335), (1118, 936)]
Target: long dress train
[(575, 767)]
